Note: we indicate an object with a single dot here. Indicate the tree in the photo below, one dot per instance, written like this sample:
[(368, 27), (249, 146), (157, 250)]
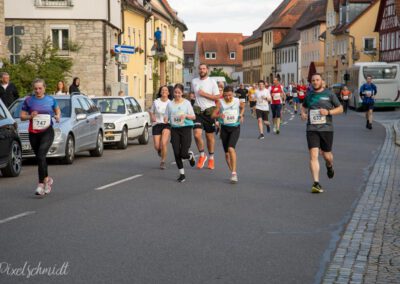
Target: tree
[(42, 62), (220, 73)]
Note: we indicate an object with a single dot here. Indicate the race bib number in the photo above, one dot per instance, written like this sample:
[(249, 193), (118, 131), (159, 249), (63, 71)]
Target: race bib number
[(41, 122), (277, 97), (316, 117), (230, 116), (176, 120), (301, 95), (368, 93)]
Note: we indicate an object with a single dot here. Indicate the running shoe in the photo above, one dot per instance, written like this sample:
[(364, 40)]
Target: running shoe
[(261, 136), (316, 188), (234, 178), (40, 189), (181, 178), (274, 129), (192, 161), (366, 126), (278, 131), (295, 112), (202, 162), (369, 126), (47, 185), (159, 153), (163, 166), (268, 129), (211, 164), (329, 171)]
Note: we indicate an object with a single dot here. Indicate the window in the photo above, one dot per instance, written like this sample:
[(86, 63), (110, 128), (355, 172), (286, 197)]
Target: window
[(60, 39), (211, 55), (232, 55), (369, 44), (136, 105), (53, 3), (2, 113), (130, 106)]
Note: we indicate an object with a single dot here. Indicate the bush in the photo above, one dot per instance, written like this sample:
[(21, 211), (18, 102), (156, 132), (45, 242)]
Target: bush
[(42, 62)]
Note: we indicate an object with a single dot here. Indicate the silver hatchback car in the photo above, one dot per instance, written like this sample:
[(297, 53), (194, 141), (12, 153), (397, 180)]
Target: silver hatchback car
[(80, 129)]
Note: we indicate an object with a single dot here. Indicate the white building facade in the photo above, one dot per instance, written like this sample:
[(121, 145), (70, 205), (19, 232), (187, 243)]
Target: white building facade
[(288, 64)]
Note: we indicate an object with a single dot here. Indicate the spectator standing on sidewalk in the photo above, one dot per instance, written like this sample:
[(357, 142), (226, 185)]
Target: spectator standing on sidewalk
[(8, 91), (74, 88)]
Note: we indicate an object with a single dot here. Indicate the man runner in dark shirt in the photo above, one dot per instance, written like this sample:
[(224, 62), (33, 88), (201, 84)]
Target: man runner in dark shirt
[(242, 93), (318, 108)]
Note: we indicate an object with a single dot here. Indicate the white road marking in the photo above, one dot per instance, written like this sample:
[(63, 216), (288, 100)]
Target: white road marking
[(17, 217), (119, 182), (285, 123), (291, 118)]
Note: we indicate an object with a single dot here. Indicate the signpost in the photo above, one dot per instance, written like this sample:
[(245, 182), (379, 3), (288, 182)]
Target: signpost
[(124, 49)]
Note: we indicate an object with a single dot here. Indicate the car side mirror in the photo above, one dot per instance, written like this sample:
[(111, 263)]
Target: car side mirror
[(81, 116)]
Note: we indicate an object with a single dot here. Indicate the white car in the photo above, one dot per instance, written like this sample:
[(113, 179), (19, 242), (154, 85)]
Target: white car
[(123, 120)]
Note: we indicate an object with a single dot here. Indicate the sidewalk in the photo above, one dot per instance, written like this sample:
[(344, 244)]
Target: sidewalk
[(369, 251)]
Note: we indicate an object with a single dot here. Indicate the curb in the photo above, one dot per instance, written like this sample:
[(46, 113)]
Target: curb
[(396, 127)]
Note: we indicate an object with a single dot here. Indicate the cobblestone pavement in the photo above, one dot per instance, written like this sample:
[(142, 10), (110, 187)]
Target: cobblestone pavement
[(369, 251)]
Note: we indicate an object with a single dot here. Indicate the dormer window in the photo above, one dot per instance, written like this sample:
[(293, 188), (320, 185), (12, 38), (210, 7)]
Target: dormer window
[(232, 55), (211, 55)]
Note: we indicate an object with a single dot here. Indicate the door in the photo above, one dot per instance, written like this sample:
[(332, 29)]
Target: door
[(131, 119), (93, 117), (140, 116), (5, 137), (81, 127), (87, 135)]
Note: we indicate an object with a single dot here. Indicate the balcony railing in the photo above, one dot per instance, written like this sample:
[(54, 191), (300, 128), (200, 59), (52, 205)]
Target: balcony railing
[(54, 3)]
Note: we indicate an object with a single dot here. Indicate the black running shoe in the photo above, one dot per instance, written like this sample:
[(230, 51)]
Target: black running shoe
[(216, 130), (261, 136), (181, 178), (369, 126), (330, 172), (192, 161), (278, 131)]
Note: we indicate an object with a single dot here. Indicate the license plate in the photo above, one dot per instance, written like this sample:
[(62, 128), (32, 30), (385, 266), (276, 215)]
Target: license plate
[(26, 147)]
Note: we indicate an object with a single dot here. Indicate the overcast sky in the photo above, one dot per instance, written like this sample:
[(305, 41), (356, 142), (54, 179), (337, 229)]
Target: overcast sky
[(239, 16)]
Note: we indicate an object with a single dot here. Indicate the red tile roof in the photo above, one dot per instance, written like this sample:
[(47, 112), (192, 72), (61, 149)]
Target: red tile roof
[(284, 16), (189, 47), (222, 44), (313, 15)]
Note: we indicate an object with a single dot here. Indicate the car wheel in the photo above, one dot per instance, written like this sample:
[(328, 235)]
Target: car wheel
[(123, 143), (14, 166), (98, 151), (144, 138), (69, 150)]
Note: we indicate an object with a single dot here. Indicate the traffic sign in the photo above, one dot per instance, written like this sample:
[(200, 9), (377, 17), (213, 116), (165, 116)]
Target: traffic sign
[(125, 49)]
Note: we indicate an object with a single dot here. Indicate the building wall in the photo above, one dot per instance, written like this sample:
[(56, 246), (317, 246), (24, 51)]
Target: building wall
[(312, 50), (81, 10), (287, 64), (88, 61), (3, 43), (331, 73), (150, 66), (134, 35), (252, 68)]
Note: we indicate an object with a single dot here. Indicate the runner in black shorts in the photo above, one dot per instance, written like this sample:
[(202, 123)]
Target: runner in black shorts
[(207, 94), (318, 108), (230, 115)]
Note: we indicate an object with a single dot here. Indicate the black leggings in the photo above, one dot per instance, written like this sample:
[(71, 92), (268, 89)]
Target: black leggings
[(181, 139), (41, 143), (345, 105)]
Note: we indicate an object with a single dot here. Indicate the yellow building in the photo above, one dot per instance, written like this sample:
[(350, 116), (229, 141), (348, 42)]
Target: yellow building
[(350, 36), (134, 34)]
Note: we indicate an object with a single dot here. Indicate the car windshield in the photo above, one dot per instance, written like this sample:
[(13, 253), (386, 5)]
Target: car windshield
[(388, 72), (64, 104), (110, 105)]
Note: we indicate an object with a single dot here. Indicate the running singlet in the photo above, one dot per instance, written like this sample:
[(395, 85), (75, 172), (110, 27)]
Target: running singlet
[(45, 109), (231, 112), (174, 112), (158, 108), (302, 91), (368, 91), (276, 92)]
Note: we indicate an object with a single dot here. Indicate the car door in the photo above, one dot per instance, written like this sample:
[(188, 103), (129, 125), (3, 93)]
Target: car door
[(80, 127), (5, 137), (140, 117), (96, 118), (87, 135), (131, 119), (92, 118)]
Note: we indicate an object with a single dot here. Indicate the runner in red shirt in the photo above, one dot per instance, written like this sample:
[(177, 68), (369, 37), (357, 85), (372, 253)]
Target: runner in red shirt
[(301, 91), (277, 94)]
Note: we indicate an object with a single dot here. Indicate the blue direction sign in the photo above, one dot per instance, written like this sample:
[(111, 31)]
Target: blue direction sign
[(125, 49)]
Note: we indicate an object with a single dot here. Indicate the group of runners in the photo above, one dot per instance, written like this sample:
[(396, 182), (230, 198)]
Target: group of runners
[(177, 119)]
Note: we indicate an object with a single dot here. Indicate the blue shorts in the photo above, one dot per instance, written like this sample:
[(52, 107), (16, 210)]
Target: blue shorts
[(276, 110), (296, 100), (368, 106)]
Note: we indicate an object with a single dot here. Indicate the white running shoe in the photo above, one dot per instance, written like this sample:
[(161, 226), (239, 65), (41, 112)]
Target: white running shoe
[(274, 129), (40, 189), (47, 185), (234, 178)]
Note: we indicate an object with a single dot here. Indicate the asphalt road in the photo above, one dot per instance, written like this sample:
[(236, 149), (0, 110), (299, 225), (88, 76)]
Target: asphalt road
[(268, 228)]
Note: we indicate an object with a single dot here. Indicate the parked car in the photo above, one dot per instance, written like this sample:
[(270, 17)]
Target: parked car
[(123, 120), (80, 128), (10, 144)]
